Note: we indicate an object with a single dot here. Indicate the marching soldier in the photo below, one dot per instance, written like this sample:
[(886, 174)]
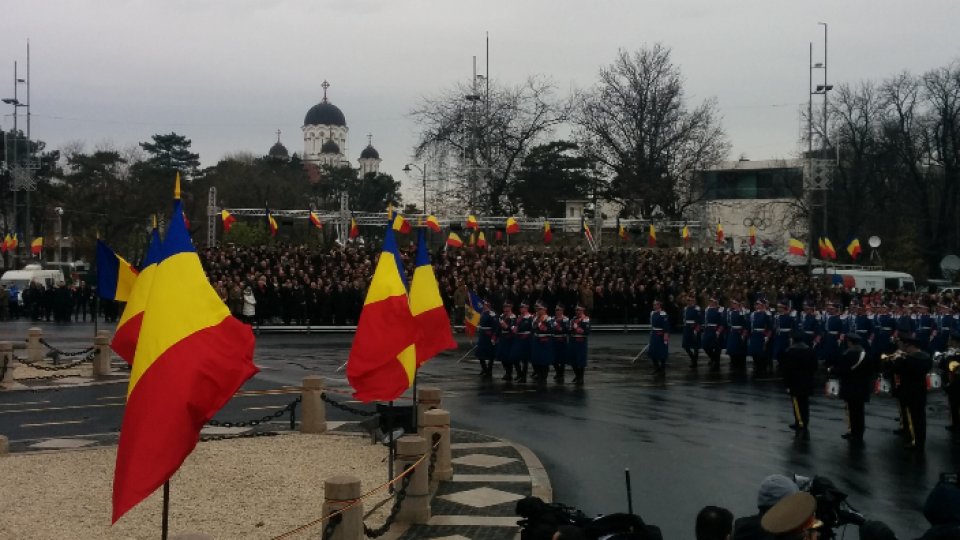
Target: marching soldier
[(486, 350), (659, 347), (505, 340), (520, 350), (783, 325), (950, 366), (559, 329), (713, 332), (810, 324), (855, 374), (799, 368), (911, 367), (577, 346), (541, 347), (737, 334), (759, 337), (692, 320)]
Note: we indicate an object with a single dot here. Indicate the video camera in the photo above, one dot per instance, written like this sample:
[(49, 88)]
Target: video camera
[(541, 520), (833, 509)]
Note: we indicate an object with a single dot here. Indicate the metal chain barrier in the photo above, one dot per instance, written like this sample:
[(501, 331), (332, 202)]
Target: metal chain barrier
[(331, 527), (433, 455), (345, 407), (61, 353), (292, 406), (90, 354), (250, 435), (399, 496)]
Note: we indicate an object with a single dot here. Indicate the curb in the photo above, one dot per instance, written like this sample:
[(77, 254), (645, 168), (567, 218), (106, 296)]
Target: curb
[(539, 479)]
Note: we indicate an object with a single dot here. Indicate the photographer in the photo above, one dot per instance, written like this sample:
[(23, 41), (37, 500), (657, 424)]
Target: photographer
[(772, 490), (942, 509)]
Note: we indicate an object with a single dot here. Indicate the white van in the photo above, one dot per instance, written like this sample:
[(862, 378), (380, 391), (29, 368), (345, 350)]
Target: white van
[(868, 279), (31, 273)]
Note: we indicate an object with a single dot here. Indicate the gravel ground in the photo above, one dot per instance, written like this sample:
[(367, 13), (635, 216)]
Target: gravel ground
[(240, 488)]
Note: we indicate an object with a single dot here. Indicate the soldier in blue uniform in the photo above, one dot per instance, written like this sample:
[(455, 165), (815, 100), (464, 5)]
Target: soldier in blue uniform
[(713, 324), (692, 321), (924, 327), (810, 324), (832, 334), (505, 339), (487, 330), (759, 344), (520, 350), (541, 346), (737, 334), (577, 346), (559, 329), (659, 347), (944, 325), (884, 327), (862, 325), (783, 325), (905, 322)]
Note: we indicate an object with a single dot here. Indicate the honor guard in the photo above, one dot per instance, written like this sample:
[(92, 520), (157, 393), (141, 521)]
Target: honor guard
[(577, 346), (905, 322), (799, 363), (944, 324), (783, 324), (911, 368), (541, 347), (692, 321), (713, 323), (810, 324), (737, 334), (559, 329), (832, 334), (950, 366), (884, 328), (759, 344), (487, 330), (520, 350), (507, 322), (855, 373), (659, 347), (862, 325), (924, 327)]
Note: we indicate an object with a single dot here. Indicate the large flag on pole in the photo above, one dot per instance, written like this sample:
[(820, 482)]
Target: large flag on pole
[(472, 310), (191, 357), (228, 220), (853, 248), (427, 307), (383, 358), (115, 276), (124, 341)]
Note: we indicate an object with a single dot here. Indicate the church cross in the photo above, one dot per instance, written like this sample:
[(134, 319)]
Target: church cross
[(325, 85)]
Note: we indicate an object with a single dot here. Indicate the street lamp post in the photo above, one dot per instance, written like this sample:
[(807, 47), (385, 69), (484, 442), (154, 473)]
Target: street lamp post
[(814, 183), (423, 171)]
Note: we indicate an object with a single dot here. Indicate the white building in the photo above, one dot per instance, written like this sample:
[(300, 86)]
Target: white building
[(326, 135)]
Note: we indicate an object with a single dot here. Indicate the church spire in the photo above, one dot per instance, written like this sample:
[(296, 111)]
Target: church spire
[(325, 85)]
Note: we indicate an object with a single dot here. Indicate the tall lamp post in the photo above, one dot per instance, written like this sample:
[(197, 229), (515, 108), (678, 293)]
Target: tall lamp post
[(423, 171), (815, 182)]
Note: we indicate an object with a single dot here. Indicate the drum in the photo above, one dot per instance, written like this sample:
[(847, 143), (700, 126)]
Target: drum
[(882, 387), (934, 381), (832, 388)]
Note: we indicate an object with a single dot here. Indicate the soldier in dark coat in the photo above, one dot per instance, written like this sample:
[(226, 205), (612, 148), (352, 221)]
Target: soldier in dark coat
[(856, 374), (713, 325), (950, 366), (541, 347), (692, 323), (659, 348), (487, 340), (505, 339), (799, 368), (759, 345), (783, 325), (737, 334), (577, 346), (911, 367), (520, 349), (559, 330)]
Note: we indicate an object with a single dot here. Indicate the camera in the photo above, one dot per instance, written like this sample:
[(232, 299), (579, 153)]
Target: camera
[(833, 509)]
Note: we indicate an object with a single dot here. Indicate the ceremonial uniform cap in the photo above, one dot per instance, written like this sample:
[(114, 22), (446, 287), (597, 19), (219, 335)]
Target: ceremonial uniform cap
[(559, 306), (540, 305), (791, 516), (580, 306), (507, 303), (524, 304)]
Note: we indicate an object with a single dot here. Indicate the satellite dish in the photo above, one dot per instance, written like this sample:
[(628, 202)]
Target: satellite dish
[(950, 266), (874, 241)]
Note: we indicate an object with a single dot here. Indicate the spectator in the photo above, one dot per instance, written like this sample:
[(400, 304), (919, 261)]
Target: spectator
[(249, 305), (773, 489), (942, 510), (714, 523)]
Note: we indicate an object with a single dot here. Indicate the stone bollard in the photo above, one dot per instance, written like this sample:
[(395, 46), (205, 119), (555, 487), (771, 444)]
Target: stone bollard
[(8, 363), (313, 411), (438, 421), (102, 354), (339, 492), (4, 445), (416, 505), (428, 397), (34, 348)]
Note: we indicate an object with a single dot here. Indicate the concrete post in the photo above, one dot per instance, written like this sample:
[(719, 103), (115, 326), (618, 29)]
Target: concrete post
[(34, 348), (313, 415), (8, 362), (416, 505), (101, 358), (428, 397), (4, 445), (339, 492), (437, 421)]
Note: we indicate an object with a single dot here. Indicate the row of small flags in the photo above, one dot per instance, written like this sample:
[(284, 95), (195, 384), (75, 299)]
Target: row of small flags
[(825, 247), (10, 242)]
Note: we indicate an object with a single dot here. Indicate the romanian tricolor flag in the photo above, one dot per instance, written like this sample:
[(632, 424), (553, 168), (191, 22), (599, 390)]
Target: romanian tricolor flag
[(512, 226), (5, 245), (831, 251), (622, 231), (823, 248), (547, 233), (228, 220), (853, 248), (652, 236), (124, 341), (383, 358), (354, 229), (481, 241), (796, 247), (472, 223), (586, 231), (472, 310), (115, 276), (685, 234), (191, 357), (14, 242), (315, 220), (719, 233), (453, 240), (752, 232), (427, 307), (36, 247), (272, 224), (433, 223), (400, 225)]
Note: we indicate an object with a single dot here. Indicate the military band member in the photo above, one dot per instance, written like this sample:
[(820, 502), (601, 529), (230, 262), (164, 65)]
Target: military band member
[(950, 366), (487, 330), (713, 323), (577, 346), (559, 330), (799, 368), (659, 347), (911, 368), (505, 339), (759, 345), (856, 374), (737, 334), (541, 347), (692, 322), (520, 351), (783, 324)]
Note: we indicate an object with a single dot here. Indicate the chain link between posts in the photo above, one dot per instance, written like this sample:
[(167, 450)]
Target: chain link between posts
[(292, 406), (58, 353), (90, 355), (345, 407)]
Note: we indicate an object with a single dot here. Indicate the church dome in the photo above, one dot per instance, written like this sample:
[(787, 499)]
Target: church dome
[(278, 150), (330, 147), (326, 114), (369, 153)]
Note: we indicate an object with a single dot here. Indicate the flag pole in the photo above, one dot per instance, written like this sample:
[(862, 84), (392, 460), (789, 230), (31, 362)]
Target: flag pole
[(390, 439), (166, 510), (414, 423)]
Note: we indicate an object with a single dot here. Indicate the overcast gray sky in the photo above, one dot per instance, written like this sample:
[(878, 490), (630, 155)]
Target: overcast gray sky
[(229, 73)]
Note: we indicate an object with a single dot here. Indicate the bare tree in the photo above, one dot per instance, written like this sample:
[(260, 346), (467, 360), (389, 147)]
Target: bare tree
[(482, 138), (636, 122)]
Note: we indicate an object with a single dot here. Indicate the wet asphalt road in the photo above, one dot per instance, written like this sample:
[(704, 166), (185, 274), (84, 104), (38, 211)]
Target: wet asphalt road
[(701, 438)]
